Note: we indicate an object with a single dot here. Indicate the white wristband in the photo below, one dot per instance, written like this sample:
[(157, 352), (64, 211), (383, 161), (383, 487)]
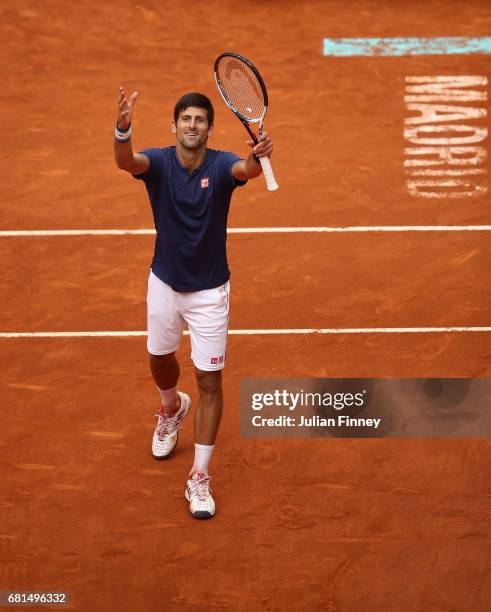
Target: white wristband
[(122, 135)]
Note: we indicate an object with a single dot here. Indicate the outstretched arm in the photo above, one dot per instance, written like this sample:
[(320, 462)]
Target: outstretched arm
[(135, 163), (249, 168)]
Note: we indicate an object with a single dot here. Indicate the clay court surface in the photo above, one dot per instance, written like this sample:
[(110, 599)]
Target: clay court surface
[(302, 524)]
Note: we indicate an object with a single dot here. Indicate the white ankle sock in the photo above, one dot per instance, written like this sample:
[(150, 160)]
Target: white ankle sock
[(169, 397), (202, 455)]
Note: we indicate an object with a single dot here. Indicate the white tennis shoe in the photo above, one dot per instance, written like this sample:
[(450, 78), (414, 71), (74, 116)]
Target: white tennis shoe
[(166, 433), (198, 494)]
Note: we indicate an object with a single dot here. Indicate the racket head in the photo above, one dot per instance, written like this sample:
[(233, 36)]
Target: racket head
[(241, 86)]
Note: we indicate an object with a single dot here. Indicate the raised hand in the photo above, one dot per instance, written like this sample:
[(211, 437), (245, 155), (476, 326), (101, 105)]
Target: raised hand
[(125, 108), (264, 148)]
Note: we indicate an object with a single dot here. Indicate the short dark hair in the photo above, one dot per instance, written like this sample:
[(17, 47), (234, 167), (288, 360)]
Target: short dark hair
[(194, 99)]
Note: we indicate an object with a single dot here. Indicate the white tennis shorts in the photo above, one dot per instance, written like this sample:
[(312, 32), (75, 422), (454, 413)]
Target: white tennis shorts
[(204, 312)]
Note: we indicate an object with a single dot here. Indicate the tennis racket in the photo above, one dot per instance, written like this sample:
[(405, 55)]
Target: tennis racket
[(244, 92)]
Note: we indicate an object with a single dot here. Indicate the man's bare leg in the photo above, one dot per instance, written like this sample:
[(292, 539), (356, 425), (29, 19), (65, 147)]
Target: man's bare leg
[(207, 417), (209, 411), (165, 371)]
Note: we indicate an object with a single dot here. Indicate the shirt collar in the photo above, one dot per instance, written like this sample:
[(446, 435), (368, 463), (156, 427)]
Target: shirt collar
[(200, 167)]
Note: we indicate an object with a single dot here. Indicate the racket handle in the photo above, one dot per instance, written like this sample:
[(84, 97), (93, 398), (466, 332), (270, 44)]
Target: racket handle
[(268, 174)]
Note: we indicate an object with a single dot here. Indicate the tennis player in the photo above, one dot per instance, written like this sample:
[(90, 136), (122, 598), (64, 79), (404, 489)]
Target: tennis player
[(190, 187)]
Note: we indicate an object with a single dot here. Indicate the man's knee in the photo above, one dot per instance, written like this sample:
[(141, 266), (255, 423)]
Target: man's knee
[(162, 358), (209, 382)]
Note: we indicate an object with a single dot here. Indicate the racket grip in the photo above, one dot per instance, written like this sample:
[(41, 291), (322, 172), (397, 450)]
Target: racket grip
[(268, 174)]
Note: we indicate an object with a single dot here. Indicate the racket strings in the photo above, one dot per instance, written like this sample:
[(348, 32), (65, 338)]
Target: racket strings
[(241, 86)]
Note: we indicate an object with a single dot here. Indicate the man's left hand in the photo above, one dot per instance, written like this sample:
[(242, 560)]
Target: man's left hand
[(264, 148)]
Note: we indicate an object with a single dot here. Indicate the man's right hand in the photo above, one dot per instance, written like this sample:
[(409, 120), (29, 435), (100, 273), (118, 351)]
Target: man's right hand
[(125, 108), (135, 163)]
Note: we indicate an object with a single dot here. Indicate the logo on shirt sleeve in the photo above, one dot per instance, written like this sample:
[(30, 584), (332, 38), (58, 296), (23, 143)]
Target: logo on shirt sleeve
[(205, 182)]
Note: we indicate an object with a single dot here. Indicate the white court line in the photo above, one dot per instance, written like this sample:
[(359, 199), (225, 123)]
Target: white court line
[(257, 230), (256, 332)]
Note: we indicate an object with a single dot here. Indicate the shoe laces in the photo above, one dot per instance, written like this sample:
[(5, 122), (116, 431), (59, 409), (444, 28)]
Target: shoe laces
[(200, 486), (166, 424)]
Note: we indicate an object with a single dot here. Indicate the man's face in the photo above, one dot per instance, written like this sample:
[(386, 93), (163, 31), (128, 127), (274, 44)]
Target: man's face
[(192, 129)]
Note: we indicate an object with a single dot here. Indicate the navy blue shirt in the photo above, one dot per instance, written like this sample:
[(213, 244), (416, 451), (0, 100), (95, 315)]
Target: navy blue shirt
[(190, 213)]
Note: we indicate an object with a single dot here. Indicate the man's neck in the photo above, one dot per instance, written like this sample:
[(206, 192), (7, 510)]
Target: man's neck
[(190, 159)]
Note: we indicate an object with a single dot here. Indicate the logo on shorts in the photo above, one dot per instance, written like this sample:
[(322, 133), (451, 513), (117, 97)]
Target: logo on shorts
[(205, 182), (216, 360)]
